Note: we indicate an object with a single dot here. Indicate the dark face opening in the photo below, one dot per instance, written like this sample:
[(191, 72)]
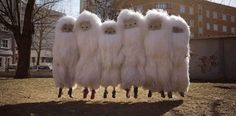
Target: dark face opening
[(110, 30), (67, 28), (85, 25), (155, 24), (176, 29), (130, 23)]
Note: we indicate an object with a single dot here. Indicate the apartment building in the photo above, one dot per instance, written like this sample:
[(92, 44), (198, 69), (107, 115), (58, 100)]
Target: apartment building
[(6, 54), (206, 19)]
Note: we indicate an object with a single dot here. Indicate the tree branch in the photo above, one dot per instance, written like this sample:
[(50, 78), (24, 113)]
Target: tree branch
[(52, 2), (5, 23)]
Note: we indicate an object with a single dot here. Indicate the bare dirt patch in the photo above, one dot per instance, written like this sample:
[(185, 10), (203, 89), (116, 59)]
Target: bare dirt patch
[(38, 97)]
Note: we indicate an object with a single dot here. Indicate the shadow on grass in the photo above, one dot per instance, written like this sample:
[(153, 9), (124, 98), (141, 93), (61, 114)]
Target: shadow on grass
[(84, 108), (226, 87)]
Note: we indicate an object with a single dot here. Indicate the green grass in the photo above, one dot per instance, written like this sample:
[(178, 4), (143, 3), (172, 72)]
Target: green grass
[(38, 97)]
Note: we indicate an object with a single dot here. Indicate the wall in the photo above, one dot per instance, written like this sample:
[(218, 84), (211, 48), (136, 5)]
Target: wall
[(213, 58), (44, 54)]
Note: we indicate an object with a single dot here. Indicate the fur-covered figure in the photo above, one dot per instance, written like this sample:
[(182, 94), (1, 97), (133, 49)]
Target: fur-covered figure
[(110, 42), (88, 70), (180, 43), (65, 54), (132, 72), (158, 52)]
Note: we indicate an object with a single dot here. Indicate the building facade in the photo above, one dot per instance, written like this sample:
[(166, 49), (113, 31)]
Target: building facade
[(206, 19), (6, 52)]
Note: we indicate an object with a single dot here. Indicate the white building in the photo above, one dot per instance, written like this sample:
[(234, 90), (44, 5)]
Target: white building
[(6, 54)]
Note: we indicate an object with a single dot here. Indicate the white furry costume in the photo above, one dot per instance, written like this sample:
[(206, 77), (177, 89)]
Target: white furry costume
[(180, 43), (88, 67), (132, 72), (65, 53), (110, 42), (158, 51)]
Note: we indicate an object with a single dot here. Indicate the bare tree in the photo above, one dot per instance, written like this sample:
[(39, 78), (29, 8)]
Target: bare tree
[(11, 17), (105, 9), (43, 28), (17, 16)]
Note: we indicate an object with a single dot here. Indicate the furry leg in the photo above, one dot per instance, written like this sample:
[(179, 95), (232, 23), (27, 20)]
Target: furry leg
[(181, 94), (114, 92), (135, 92), (60, 92), (70, 93), (127, 93), (149, 93), (93, 94), (105, 93), (170, 94), (85, 91), (162, 94)]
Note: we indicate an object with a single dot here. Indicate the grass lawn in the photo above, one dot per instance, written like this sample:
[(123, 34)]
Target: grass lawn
[(38, 97)]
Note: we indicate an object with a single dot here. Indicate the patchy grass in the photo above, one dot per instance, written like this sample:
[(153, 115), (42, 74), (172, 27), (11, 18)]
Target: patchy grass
[(38, 96)]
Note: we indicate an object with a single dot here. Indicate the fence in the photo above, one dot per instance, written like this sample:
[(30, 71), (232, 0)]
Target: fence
[(213, 58)]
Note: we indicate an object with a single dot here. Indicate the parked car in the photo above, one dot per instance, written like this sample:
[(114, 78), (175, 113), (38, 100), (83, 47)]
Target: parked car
[(41, 68)]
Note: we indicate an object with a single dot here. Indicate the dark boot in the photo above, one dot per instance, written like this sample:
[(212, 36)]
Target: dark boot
[(70, 93), (93, 94), (59, 93), (85, 93), (105, 93), (170, 94), (162, 94), (181, 94), (149, 93), (114, 93), (135, 92), (127, 93)]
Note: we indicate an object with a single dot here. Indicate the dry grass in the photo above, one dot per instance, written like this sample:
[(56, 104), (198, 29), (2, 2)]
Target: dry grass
[(38, 97)]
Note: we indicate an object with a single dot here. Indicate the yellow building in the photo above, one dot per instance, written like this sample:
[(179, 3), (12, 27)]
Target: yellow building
[(206, 19)]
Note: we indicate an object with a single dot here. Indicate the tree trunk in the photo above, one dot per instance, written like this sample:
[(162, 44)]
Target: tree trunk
[(40, 46), (38, 57), (23, 59), (24, 42)]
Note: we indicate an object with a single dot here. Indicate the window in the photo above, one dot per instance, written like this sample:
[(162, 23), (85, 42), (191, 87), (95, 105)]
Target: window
[(200, 30), (33, 59), (139, 8), (1, 62), (191, 23), (233, 30), (215, 15), (163, 6), (49, 59), (215, 27), (224, 28), (208, 14), (182, 9), (8, 61), (208, 26), (199, 17), (4, 43), (191, 10), (42, 59), (224, 17), (232, 18)]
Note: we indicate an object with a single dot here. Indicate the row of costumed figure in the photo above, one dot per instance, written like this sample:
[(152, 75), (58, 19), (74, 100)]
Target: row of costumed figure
[(150, 51)]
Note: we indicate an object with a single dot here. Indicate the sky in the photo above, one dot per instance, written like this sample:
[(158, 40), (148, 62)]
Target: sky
[(72, 7)]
